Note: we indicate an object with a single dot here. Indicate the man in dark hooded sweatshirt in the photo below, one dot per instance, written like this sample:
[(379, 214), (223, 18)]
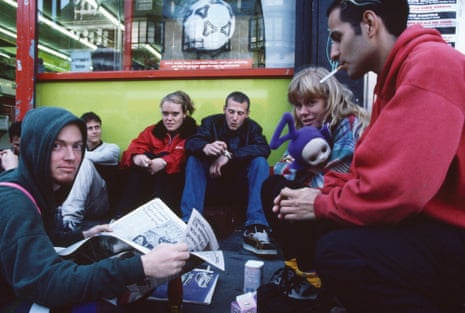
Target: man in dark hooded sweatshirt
[(52, 147)]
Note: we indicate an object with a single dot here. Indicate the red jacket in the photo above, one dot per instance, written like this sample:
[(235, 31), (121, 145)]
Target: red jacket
[(411, 159), (155, 140)]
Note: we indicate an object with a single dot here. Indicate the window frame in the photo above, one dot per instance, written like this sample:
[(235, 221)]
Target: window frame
[(26, 62), (168, 74)]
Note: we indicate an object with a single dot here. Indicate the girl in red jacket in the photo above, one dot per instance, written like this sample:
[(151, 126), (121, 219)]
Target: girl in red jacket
[(155, 159)]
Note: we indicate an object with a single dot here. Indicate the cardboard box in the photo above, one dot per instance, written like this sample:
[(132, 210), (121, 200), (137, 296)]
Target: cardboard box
[(245, 303)]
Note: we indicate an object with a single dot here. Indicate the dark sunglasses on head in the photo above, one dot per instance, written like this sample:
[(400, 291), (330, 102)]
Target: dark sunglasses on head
[(361, 3)]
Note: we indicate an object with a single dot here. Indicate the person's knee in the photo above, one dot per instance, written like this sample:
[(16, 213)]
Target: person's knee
[(342, 256), (259, 165), (259, 162), (323, 249), (192, 161), (273, 185), (332, 252), (270, 188), (196, 168)]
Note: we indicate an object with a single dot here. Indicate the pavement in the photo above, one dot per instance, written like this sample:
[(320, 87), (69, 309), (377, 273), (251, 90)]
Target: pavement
[(230, 283)]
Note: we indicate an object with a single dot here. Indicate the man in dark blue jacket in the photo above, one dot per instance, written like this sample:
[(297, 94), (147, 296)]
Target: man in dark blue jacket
[(228, 152)]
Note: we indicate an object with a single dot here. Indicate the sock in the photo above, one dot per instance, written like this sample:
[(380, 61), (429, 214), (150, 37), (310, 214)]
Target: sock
[(312, 277), (292, 263)]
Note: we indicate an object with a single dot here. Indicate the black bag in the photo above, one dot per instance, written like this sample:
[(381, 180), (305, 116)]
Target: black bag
[(270, 299)]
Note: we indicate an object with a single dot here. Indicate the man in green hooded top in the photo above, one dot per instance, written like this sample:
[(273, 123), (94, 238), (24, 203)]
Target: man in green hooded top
[(52, 147)]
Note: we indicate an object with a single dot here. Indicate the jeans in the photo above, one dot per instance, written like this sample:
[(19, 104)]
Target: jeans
[(199, 184)]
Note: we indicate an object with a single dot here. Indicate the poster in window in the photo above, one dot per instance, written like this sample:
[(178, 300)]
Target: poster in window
[(209, 34), (438, 14)]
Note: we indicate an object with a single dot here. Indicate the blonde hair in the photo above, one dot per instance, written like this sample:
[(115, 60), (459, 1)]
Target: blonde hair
[(182, 98), (306, 85)]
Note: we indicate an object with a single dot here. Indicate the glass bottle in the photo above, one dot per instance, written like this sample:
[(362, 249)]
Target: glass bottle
[(175, 294)]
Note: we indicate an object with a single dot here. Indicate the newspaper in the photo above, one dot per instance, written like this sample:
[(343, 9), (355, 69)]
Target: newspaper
[(198, 287), (140, 231)]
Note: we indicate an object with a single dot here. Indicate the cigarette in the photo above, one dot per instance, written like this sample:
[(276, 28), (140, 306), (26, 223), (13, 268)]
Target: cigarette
[(333, 72)]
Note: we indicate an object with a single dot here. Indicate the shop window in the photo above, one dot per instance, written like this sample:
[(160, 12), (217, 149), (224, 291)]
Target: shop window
[(92, 35), (7, 62)]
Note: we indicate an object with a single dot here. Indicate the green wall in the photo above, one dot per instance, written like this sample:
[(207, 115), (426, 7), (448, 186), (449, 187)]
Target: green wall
[(127, 107)]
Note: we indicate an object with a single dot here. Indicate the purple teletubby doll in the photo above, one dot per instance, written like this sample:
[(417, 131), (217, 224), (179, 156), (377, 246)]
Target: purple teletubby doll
[(308, 145)]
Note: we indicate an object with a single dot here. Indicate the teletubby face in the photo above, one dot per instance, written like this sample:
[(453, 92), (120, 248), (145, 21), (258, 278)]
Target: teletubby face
[(316, 152)]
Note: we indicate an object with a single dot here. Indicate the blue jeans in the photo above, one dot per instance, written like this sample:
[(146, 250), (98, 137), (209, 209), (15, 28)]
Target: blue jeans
[(198, 183)]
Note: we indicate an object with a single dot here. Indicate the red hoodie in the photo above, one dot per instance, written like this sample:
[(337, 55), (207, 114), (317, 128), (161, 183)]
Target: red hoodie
[(411, 159)]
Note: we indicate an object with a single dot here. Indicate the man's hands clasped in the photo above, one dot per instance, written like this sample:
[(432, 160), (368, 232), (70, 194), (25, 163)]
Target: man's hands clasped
[(296, 204), (152, 165)]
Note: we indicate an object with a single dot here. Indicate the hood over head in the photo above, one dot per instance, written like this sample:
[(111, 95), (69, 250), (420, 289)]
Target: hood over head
[(409, 40), (40, 128)]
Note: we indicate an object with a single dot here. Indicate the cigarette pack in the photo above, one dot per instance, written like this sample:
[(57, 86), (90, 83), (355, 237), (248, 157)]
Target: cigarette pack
[(245, 303)]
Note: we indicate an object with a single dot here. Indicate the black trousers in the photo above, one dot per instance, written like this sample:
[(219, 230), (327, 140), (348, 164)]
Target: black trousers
[(417, 266), (142, 187), (296, 239)]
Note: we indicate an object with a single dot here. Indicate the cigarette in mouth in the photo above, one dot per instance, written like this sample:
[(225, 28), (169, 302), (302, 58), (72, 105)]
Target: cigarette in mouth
[(333, 72)]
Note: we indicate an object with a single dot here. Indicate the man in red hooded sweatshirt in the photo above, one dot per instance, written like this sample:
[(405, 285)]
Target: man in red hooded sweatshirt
[(397, 239)]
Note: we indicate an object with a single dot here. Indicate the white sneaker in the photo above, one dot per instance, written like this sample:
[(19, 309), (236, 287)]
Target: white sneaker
[(257, 240)]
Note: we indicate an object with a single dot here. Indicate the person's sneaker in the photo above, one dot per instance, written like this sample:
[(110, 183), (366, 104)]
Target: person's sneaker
[(295, 286), (301, 289), (272, 296), (257, 240), (283, 278)]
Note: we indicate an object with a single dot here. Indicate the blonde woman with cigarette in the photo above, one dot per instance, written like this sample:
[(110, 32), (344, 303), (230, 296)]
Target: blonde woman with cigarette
[(314, 103)]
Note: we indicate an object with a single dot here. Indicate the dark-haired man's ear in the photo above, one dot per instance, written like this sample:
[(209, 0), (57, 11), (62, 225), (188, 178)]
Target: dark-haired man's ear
[(370, 22)]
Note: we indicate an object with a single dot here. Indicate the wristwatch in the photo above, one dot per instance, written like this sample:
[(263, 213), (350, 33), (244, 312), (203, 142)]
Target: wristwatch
[(227, 154)]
